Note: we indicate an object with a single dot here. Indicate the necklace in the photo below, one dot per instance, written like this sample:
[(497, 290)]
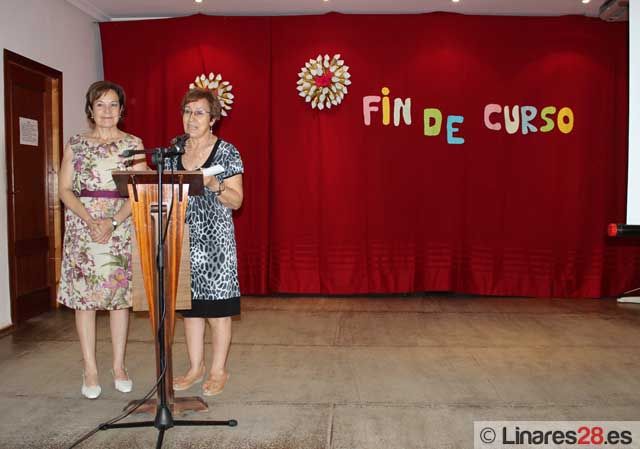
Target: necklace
[(198, 155), (105, 140)]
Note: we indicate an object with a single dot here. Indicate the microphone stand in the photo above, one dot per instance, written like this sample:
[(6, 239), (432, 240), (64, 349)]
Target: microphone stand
[(164, 419)]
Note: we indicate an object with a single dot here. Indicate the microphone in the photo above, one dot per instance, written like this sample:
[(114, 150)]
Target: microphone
[(177, 147), (623, 230), (179, 142), (129, 153)]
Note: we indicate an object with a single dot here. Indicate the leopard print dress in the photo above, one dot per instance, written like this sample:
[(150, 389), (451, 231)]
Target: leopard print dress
[(215, 291)]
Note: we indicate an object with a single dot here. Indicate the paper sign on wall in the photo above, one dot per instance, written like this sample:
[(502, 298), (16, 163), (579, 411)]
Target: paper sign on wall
[(28, 132)]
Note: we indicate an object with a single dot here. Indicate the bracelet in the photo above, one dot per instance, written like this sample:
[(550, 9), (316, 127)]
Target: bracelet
[(221, 188)]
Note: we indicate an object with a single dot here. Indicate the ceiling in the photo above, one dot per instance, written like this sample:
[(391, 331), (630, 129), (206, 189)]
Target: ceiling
[(104, 10)]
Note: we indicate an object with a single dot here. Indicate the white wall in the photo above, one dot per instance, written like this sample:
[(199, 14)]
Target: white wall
[(59, 35), (633, 182)]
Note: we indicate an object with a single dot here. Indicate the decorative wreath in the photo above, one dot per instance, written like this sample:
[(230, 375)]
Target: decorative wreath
[(222, 89), (323, 82)]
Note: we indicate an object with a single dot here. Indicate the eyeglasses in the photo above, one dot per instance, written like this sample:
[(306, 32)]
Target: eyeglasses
[(199, 113), (101, 105)]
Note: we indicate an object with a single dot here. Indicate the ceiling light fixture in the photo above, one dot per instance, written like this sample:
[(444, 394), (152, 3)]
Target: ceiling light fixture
[(455, 1), (198, 1), (585, 1)]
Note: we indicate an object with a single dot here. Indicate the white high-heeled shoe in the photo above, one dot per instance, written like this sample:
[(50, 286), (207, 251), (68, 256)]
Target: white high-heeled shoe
[(123, 386), (91, 392)]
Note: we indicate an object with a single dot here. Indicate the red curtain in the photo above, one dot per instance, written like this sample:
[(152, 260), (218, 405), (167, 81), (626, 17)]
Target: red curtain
[(336, 206), (156, 60)]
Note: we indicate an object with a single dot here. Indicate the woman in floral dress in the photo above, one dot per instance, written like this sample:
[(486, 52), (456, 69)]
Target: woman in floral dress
[(96, 258)]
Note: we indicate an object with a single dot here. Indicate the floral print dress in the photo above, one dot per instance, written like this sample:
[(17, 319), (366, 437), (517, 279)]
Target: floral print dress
[(96, 276)]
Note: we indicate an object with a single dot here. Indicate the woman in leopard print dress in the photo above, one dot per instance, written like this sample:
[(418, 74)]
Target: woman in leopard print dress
[(215, 293)]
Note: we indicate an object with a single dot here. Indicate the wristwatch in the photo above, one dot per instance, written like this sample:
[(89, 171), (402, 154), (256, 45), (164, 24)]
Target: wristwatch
[(114, 223)]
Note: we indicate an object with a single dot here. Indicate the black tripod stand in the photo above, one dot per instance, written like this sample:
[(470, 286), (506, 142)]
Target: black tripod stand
[(164, 419)]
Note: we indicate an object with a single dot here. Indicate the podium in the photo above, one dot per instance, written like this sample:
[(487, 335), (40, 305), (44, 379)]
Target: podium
[(142, 189), (158, 212)]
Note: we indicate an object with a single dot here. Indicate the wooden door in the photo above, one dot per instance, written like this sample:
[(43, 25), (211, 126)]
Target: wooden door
[(32, 124)]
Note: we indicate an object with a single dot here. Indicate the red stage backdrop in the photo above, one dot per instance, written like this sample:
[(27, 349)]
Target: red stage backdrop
[(482, 155)]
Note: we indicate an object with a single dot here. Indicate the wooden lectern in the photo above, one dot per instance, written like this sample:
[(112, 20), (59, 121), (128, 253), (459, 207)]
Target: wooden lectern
[(142, 189)]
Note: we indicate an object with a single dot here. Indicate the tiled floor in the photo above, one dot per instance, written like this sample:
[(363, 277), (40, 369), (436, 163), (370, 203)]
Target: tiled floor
[(344, 373)]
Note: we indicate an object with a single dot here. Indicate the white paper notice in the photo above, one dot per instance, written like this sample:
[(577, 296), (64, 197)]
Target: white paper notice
[(212, 171), (28, 132)]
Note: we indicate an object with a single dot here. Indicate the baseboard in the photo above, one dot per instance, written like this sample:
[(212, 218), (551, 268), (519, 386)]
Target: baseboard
[(7, 330), (630, 299)]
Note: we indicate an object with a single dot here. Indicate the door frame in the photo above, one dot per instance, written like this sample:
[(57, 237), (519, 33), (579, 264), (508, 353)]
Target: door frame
[(54, 148)]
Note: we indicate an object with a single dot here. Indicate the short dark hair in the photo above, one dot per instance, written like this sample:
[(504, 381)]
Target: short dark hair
[(198, 94), (97, 90)]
